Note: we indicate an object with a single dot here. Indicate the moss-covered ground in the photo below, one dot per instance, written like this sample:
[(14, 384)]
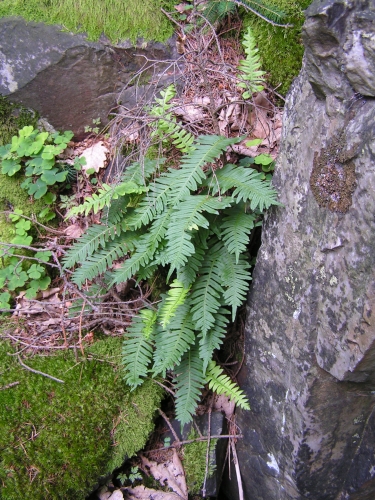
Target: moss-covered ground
[(117, 19), (280, 49), (57, 439)]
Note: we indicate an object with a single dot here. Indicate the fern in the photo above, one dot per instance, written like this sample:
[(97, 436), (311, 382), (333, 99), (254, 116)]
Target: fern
[(213, 339), (104, 196), (235, 229), (188, 382), (200, 240), (222, 384), (207, 291), (250, 72), (102, 260), (216, 10), (176, 297), (248, 185), (171, 343), (96, 236), (138, 348), (167, 126)]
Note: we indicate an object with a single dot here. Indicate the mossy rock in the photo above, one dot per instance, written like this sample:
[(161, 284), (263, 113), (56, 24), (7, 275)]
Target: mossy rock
[(58, 439), (280, 49), (13, 117), (117, 19)]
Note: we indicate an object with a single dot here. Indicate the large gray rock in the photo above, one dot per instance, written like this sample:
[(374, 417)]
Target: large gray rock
[(310, 333), (67, 79)]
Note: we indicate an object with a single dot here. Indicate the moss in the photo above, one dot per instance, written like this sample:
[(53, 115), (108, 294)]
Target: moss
[(194, 462), (56, 439), (12, 118), (117, 19), (280, 49)]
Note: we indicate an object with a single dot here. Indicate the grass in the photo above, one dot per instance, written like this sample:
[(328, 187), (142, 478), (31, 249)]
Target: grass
[(117, 19), (56, 440)]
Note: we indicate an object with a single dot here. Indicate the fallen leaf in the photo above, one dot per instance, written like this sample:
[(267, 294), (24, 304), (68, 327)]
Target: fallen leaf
[(74, 231), (95, 157), (142, 493), (170, 472)]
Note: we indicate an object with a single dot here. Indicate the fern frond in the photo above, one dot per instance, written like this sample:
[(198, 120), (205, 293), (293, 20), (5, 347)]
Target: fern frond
[(188, 273), (266, 11), (172, 343), (190, 175), (207, 291), (214, 338), (189, 382), (115, 213), (216, 10), (96, 236), (139, 173), (175, 297), (101, 260), (187, 217), (236, 228), (138, 348), (248, 186), (251, 74), (235, 278), (222, 384), (167, 125), (152, 204)]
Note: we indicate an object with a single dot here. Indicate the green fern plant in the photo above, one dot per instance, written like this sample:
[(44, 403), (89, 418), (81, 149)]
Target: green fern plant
[(216, 10), (166, 126), (195, 223), (250, 73)]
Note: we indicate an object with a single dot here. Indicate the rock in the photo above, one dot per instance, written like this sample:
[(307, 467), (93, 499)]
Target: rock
[(67, 79), (116, 495), (310, 334)]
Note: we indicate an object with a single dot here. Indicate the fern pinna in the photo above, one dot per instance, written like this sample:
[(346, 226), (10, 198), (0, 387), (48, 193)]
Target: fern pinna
[(195, 222)]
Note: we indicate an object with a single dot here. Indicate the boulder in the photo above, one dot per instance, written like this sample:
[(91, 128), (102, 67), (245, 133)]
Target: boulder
[(310, 330), (69, 80)]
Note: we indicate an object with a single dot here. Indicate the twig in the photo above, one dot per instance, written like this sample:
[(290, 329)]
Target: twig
[(163, 386), (237, 467), (38, 372), (169, 425), (207, 453), (12, 384), (189, 441)]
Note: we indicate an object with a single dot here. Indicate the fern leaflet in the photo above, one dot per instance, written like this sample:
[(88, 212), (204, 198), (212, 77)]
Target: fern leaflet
[(189, 382), (236, 228), (222, 384), (214, 337), (138, 347), (248, 185), (251, 74), (103, 259), (207, 291), (176, 297), (96, 236), (172, 343)]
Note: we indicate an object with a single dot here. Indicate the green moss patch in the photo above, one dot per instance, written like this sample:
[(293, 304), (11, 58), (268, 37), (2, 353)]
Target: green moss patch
[(280, 49), (56, 439), (117, 19)]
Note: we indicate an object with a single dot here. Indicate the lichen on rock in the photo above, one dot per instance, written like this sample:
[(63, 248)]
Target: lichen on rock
[(332, 179)]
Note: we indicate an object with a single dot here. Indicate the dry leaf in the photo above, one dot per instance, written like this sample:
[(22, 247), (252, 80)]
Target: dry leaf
[(170, 472), (74, 231), (95, 157), (142, 493)]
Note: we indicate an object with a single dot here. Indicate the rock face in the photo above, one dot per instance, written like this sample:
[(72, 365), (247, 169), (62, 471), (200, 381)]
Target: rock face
[(310, 333), (67, 79)]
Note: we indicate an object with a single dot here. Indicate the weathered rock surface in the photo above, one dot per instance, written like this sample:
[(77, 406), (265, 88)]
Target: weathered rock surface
[(67, 79), (310, 348)]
